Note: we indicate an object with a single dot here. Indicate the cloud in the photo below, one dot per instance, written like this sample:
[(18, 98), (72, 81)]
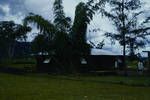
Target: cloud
[(12, 10), (17, 9), (15, 6), (42, 7), (4, 10)]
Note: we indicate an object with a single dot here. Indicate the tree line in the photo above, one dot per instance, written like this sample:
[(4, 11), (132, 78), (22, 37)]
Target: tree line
[(67, 39)]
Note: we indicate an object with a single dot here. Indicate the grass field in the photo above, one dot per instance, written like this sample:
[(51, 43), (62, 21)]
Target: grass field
[(50, 87)]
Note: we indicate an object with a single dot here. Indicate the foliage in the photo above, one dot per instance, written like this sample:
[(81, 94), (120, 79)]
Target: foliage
[(67, 41), (125, 17), (79, 29), (83, 15), (98, 46), (9, 34), (53, 37), (37, 44), (11, 31), (45, 27), (130, 32), (46, 36), (62, 22)]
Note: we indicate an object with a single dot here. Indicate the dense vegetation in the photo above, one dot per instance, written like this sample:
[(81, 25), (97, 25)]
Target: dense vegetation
[(65, 40), (10, 32)]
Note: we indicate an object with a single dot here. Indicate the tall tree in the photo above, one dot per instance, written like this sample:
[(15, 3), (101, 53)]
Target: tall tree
[(124, 15), (83, 16), (62, 22), (63, 46), (79, 29), (9, 34)]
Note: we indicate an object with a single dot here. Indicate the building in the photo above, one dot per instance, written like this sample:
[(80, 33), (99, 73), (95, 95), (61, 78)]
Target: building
[(100, 60)]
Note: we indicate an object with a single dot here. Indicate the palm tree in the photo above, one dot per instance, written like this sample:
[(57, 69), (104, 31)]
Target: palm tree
[(56, 32), (67, 39), (45, 26)]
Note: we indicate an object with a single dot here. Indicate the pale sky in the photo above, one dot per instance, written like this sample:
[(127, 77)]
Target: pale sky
[(17, 9)]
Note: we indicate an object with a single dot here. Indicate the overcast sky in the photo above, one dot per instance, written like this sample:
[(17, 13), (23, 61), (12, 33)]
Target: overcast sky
[(17, 9)]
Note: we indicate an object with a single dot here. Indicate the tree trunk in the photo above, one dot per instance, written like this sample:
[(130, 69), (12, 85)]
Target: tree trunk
[(124, 39)]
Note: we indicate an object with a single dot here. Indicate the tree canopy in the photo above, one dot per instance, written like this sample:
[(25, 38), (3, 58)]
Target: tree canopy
[(68, 40), (130, 30), (11, 32)]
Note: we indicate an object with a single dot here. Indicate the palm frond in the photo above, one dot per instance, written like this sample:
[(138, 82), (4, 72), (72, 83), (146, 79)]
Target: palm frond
[(42, 24)]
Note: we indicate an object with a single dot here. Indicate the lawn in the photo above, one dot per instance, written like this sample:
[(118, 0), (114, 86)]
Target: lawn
[(19, 63), (51, 87)]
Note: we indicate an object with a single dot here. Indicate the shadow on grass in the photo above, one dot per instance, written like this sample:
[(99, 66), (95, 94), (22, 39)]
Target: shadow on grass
[(80, 77), (126, 81), (11, 70)]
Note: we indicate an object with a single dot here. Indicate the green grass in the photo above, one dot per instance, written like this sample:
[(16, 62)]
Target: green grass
[(48, 87), (132, 64), (19, 63)]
